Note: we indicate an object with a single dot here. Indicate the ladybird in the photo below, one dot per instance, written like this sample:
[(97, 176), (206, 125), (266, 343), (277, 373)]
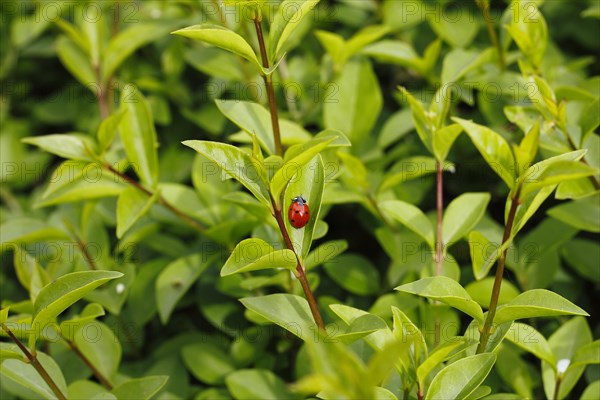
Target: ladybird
[(298, 213)]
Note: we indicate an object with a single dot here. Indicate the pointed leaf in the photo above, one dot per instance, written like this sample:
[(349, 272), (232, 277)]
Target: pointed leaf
[(108, 130), (462, 215), (22, 379), (237, 164), (410, 216), (290, 14), (252, 118), (75, 146), (536, 303), (532, 341), (129, 40), (132, 204), (250, 384), (175, 280), (494, 149), (461, 378), (77, 62), (139, 136), (290, 312), (292, 166), (443, 139), (63, 292), (140, 388), (354, 101), (223, 38), (309, 182), (422, 122), (446, 290), (256, 254)]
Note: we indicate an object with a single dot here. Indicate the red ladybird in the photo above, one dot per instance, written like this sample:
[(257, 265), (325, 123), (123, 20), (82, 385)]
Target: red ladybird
[(298, 213)]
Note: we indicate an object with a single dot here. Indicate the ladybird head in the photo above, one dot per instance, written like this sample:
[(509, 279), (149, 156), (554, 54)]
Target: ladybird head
[(299, 199)]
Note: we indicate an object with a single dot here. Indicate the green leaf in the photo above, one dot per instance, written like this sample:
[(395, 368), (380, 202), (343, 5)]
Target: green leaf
[(459, 62), (494, 149), (397, 53), (590, 119), (76, 61), (525, 152), (295, 160), (253, 118), (77, 180), (536, 303), (356, 318), (10, 351), (237, 164), (354, 273), (83, 389), (358, 328), (28, 230), (565, 343), (362, 38), (256, 254), (25, 265), (290, 312), (420, 118), (175, 280), (582, 213), (207, 362), (309, 182), (553, 173), (139, 136), (441, 353), (24, 381), (461, 378), (108, 129), (75, 146), (532, 341), (126, 42), (250, 384), (462, 215), (63, 292), (514, 371), (585, 355), (529, 30), (325, 252), (406, 332), (90, 312), (446, 290), (132, 204), (221, 37), (410, 216), (354, 101), (454, 25), (480, 291), (290, 14), (104, 352), (140, 388), (582, 255), (443, 139)]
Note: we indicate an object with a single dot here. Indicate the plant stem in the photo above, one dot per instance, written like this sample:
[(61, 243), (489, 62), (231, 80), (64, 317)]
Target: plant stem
[(184, 217), (101, 378), (484, 5), (439, 256), (33, 360), (557, 387), (487, 326), (300, 274), (269, 85)]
